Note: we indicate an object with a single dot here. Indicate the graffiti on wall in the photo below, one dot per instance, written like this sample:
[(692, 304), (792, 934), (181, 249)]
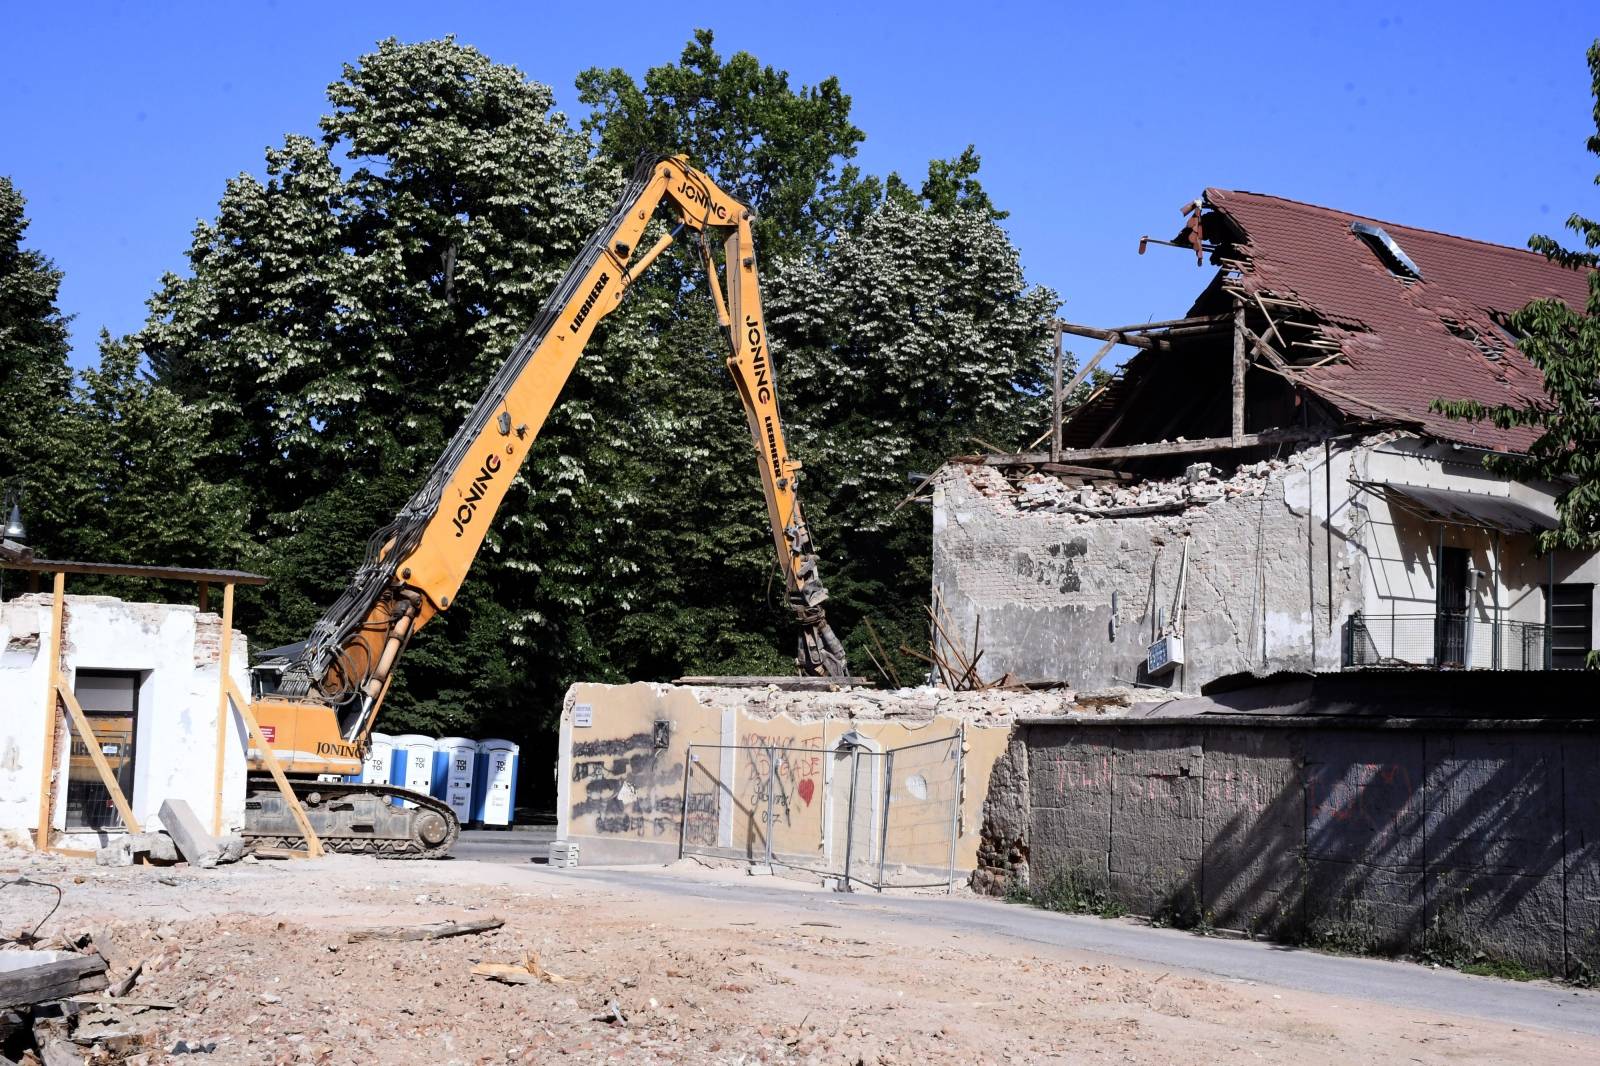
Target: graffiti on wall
[(628, 786), (790, 767)]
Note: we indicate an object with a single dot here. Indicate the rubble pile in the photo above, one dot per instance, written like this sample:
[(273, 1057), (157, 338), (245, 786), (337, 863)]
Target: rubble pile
[(1201, 484)]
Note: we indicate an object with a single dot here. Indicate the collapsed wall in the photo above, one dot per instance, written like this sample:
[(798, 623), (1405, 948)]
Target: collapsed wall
[(647, 770), (1070, 582)]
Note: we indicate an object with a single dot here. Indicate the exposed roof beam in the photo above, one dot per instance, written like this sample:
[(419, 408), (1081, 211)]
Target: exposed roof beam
[(1147, 451), (1164, 333)]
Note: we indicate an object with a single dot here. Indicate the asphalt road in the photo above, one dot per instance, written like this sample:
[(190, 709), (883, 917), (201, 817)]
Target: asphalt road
[(519, 845), (1531, 1004)]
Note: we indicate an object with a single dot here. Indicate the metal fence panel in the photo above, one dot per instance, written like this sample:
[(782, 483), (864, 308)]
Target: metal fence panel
[(866, 817)]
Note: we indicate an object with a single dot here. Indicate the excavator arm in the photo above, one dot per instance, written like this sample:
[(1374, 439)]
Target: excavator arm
[(415, 566)]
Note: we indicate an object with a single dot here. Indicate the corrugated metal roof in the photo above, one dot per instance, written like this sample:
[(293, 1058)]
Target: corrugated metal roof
[(1400, 355)]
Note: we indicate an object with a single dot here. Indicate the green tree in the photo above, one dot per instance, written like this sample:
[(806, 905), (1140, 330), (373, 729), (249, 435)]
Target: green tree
[(905, 342), (781, 150), (34, 378), (336, 327), (130, 477), (1564, 343)]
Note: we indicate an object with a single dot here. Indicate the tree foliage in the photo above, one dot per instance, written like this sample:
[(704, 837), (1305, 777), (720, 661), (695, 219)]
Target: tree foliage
[(342, 312), (1564, 343), (34, 378)]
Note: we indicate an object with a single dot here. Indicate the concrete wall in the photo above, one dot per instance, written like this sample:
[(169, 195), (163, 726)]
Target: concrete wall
[(1392, 839), (621, 778), (1044, 583), (1280, 556), (176, 651)]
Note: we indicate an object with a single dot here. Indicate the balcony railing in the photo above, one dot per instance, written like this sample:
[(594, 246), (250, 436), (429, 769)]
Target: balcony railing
[(1445, 641)]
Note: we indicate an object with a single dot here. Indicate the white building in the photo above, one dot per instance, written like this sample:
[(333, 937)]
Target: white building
[(1268, 479), (147, 676)]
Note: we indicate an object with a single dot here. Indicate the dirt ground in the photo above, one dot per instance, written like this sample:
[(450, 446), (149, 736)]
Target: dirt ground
[(258, 961)]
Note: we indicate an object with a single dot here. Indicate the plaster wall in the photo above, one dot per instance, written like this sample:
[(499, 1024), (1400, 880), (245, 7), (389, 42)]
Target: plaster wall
[(622, 777), (1274, 572), (175, 650), (1066, 598)]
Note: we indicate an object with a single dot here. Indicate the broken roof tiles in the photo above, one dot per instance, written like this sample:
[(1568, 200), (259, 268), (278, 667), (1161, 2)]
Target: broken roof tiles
[(1411, 340)]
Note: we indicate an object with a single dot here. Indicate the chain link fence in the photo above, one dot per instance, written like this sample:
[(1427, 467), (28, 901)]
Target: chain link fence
[(865, 816)]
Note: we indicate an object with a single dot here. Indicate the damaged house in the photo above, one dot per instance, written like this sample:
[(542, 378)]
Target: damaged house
[(1264, 486)]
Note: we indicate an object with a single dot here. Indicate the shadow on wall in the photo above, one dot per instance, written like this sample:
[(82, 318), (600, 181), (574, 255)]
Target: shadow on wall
[(1455, 845)]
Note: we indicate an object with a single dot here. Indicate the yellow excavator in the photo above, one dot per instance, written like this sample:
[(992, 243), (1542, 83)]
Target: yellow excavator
[(318, 712)]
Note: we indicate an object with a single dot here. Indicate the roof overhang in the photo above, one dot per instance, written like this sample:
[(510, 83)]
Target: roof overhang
[(1463, 507)]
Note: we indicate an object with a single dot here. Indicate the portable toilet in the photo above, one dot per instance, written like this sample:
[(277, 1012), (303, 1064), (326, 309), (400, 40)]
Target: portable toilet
[(495, 791), (413, 763), (378, 764), (454, 760)]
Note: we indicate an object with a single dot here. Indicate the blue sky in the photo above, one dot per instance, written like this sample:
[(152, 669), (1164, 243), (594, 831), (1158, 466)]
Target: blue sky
[(1096, 122)]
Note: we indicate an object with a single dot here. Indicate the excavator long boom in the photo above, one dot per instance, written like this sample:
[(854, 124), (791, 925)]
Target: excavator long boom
[(415, 566)]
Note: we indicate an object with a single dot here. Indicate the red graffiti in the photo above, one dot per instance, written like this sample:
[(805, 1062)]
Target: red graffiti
[(806, 789)]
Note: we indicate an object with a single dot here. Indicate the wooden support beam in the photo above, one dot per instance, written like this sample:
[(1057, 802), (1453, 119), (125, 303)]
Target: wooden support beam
[(1055, 399), (47, 772), (1194, 322), (253, 730), (1238, 370), (1147, 451), (224, 666), (1265, 350), (80, 722)]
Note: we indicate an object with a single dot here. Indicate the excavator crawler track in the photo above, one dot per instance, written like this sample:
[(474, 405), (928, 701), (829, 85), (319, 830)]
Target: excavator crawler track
[(352, 819)]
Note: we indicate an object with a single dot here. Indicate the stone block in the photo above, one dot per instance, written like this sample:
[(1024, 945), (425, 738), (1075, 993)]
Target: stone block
[(1494, 803), (1364, 801), (1354, 907), (1156, 821), (1581, 755), (1254, 830), (1502, 916), (195, 843)]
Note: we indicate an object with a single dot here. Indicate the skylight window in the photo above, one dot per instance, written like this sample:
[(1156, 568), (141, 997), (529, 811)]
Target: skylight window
[(1388, 251)]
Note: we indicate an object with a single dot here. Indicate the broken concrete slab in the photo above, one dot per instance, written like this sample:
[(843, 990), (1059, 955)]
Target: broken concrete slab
[(195, 843), (126, 850)]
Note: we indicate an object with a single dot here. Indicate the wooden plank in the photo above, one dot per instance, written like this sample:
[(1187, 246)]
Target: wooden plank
[(1147, 451), (1238, 370), (28, 977), (268, 756), (785, 681), (225, 664), (430, 931), (1055, 399), (80, 722), (48, 769), (160, 573), (1171, 323), (1086, 471)]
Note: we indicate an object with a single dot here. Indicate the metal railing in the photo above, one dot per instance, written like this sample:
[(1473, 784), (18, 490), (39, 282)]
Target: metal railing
[(1445, 640), (876, 818)]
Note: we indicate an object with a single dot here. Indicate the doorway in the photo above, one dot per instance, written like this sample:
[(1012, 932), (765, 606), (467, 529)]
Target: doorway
[(110, 701), (1450, 623)]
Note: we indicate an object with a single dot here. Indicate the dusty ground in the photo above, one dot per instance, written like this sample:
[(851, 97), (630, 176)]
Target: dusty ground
[(258, 961)]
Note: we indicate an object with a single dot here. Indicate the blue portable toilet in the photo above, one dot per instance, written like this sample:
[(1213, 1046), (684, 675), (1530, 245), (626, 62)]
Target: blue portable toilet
[(455, 760), (413, 763), (494, 793), (377, 767)]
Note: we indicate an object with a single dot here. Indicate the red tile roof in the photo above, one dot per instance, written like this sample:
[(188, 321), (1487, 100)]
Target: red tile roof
[(1399, 355)]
